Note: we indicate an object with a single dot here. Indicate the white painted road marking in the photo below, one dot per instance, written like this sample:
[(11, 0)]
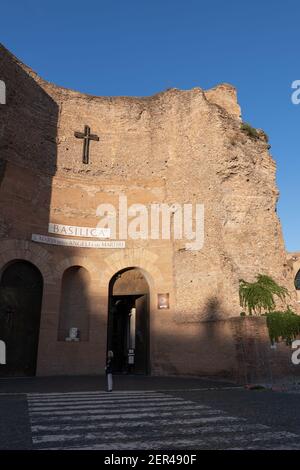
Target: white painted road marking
[(130, 420)]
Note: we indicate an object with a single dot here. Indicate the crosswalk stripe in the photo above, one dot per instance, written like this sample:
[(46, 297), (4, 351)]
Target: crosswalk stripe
[(142, 423), (133, 419), (99, 400), (178, 443), (89, 396), (95, 400), (111, 436), (101, 417), (217, 427), (107, 396), (93, 393), (117, 402), (112, 408), (108, 401), (120, 415), (129, 420), (62, 409)]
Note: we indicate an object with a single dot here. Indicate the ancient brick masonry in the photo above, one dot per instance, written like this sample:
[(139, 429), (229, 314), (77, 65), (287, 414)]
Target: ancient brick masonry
[(173, 147)]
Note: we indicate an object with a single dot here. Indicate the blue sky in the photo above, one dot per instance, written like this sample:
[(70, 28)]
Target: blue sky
[(140, 47)]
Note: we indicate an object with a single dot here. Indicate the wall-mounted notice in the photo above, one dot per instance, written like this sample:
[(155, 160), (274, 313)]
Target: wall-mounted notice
[(163, 301), (75, 231), (78, 243)]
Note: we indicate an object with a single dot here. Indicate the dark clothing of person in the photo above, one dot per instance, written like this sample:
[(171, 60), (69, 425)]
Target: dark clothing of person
[(109, 366)]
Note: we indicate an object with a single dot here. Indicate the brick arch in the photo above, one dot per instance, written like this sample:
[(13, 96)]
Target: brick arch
[(81, 261), (11, 250), (136, 258)]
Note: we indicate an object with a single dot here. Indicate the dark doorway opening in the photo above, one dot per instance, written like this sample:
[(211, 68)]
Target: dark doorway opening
[(21, 290), (128, 322)]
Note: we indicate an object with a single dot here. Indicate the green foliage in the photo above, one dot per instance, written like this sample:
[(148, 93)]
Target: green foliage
[(266, 137), (249, 130), (259, 295), (283, 325)]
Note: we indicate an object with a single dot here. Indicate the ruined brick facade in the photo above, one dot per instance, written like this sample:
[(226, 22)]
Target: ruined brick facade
[(173, 147)]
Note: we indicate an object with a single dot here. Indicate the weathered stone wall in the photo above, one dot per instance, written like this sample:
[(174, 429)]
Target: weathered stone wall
[(28, 122), (174, 147), (238, 349)]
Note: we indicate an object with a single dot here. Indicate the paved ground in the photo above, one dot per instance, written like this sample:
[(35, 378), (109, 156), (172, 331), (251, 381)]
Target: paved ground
[(145, 413)]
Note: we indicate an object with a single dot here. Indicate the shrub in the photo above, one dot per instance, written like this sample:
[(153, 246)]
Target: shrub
[(249, 130), (283, 325), (258, 296), (265, 137)]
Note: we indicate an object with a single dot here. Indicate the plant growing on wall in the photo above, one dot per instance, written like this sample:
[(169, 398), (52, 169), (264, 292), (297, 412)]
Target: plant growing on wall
[(284, 325), (259, 296), (249, 130), (259, 299)]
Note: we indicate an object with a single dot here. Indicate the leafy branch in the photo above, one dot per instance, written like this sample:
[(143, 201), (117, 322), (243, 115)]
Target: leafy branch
[(259, 296)]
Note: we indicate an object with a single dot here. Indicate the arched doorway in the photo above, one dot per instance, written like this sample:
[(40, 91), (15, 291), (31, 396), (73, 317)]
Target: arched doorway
[(128, 322), (21, 289)]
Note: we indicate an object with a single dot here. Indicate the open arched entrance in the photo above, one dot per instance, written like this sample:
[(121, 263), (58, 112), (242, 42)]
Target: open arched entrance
[(21, 289), (128, 322)]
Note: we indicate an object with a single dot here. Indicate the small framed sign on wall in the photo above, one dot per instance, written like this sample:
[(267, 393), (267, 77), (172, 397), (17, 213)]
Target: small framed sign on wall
[(163, 301)]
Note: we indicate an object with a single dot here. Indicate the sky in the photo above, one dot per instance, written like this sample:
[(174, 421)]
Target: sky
[(141, 47)]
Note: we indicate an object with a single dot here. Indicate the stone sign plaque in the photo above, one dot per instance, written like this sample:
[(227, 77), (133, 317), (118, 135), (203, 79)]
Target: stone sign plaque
[(75, 231)]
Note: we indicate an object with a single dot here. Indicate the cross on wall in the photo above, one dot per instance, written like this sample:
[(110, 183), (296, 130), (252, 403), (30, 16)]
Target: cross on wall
[(87, 136)]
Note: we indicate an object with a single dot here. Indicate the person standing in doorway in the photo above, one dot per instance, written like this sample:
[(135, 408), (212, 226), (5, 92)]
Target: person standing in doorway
[(109, 370)]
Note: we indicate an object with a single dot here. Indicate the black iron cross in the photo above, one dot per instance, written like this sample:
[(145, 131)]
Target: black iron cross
[(87, 136)]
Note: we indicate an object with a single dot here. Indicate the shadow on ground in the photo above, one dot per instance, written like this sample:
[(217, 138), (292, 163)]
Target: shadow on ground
[(121, 382)]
